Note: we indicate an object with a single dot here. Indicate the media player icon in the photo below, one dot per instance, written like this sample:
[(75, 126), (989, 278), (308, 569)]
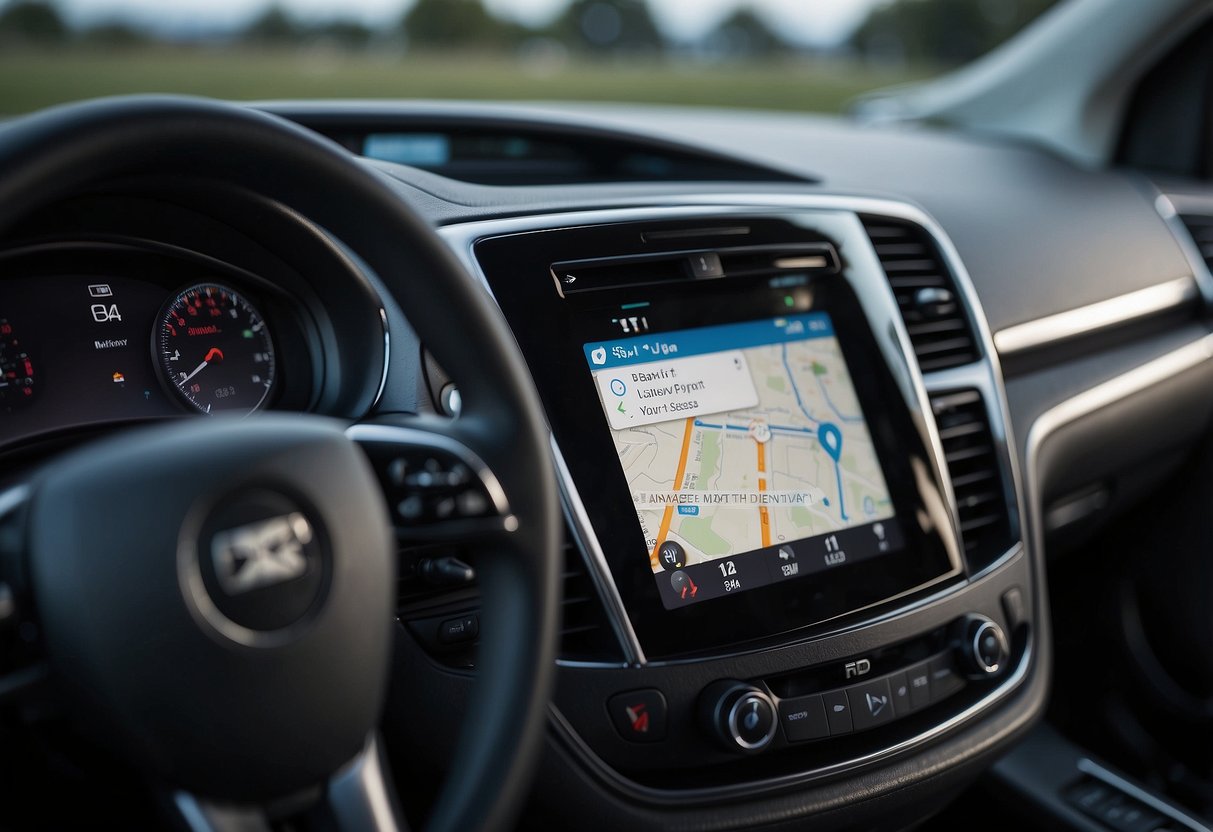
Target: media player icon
[(876, 704)]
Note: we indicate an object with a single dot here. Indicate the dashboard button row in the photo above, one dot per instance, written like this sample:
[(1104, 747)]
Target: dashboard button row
[(869, 704)]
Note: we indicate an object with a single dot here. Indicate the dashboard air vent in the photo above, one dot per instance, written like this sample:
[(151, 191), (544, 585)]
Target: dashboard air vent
[(926, 294), (977, 479), (1200, 226), (585, 634), (585, 631)]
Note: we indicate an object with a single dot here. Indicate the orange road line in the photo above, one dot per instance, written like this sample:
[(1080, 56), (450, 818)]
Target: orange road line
[(669, 510), (765, 518)]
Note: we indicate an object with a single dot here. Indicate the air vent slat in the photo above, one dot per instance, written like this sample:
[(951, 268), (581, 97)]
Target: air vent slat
[(972, 460), (928, 348), (904, 286), (926, 294), (934, 327), (963, 429), (585, 632), (893, 266)]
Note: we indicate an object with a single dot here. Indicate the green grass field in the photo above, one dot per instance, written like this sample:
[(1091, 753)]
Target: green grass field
[(33, 79)]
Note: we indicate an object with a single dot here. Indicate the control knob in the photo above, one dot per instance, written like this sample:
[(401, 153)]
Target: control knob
[(739, 715), (983, 647)]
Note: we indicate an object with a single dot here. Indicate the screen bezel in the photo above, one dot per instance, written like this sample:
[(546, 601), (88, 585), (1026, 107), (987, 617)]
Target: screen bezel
[(517, 267)]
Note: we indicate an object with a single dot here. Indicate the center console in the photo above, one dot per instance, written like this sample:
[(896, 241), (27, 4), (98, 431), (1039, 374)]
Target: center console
[(781, 435)]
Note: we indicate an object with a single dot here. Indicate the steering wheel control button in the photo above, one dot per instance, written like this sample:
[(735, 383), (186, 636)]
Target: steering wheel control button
[(263, 562), (429, 485), (639, 715), (804, 718), (871, 704), (459, 630), (838, 712), (983, 647)]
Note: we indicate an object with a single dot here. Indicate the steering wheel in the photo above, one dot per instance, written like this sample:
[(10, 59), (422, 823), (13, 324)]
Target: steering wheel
[(229, 632)]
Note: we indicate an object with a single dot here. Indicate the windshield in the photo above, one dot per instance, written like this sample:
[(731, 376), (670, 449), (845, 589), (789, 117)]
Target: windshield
[(803, 55)]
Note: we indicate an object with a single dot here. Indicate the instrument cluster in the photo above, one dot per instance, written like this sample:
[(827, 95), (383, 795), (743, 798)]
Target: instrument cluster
[(129, 336)]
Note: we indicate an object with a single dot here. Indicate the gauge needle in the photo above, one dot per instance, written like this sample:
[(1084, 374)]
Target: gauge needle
[(214, 352), (196, 371)]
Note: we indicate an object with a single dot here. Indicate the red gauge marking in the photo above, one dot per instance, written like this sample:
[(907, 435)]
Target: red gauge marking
[(215, 351)]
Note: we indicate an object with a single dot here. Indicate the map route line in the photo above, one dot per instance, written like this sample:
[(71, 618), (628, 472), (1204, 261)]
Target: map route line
[(764, 517), (668, 516), (842, 504), (744, 429), (841, 416), (795, 387)]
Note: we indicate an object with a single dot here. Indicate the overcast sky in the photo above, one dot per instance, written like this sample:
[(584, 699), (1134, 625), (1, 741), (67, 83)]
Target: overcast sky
[(810, 21)]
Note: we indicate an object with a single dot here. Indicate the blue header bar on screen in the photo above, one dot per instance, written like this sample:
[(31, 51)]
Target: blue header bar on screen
[(604, 355)]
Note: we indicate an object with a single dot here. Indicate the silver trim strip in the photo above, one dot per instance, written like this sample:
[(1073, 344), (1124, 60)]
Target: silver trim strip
[(591, 552), (1109, 392), (1094, 317), (387, 358), (1170, 207), (1094, 769)]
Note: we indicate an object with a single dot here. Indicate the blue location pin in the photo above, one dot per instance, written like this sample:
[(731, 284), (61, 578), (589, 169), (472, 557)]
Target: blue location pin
[(831, 439)]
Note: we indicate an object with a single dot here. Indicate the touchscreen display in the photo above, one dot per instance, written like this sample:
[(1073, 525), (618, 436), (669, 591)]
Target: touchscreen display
[(746, 453)]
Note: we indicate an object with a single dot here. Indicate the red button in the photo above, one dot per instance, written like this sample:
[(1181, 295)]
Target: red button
[(639, 715)]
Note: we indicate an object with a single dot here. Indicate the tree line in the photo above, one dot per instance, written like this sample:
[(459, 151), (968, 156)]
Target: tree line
[(944, 32)]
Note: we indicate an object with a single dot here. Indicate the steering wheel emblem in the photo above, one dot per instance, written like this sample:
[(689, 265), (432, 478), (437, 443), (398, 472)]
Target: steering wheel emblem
[(255, 567), (261, 554)]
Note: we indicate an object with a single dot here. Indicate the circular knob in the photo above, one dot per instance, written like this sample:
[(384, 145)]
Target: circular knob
[(742, 717), (983, 647)]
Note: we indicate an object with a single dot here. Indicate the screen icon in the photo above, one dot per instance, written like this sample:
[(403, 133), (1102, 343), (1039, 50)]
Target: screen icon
[(598, 355), (100, 290), (683, 585), (672, 555)]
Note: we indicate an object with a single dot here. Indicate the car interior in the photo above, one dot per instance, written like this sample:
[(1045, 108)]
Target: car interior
[(467, 465)]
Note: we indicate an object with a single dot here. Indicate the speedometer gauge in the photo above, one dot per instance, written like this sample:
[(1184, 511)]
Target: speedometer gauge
[(214, 350)]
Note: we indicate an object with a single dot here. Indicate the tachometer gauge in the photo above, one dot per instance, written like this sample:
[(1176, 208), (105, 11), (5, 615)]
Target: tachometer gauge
[(215, 350), (16, 370)]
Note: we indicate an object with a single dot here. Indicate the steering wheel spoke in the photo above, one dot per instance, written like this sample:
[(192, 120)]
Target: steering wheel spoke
[(438, 489), (358, 797)]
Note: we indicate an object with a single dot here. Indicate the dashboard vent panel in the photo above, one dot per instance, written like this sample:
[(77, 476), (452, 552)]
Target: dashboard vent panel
[(585, 631), (977, 477), (1200, 226), (926, 294)]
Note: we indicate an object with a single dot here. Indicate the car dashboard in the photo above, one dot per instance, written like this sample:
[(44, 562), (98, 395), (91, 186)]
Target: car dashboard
[(827, 405)]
